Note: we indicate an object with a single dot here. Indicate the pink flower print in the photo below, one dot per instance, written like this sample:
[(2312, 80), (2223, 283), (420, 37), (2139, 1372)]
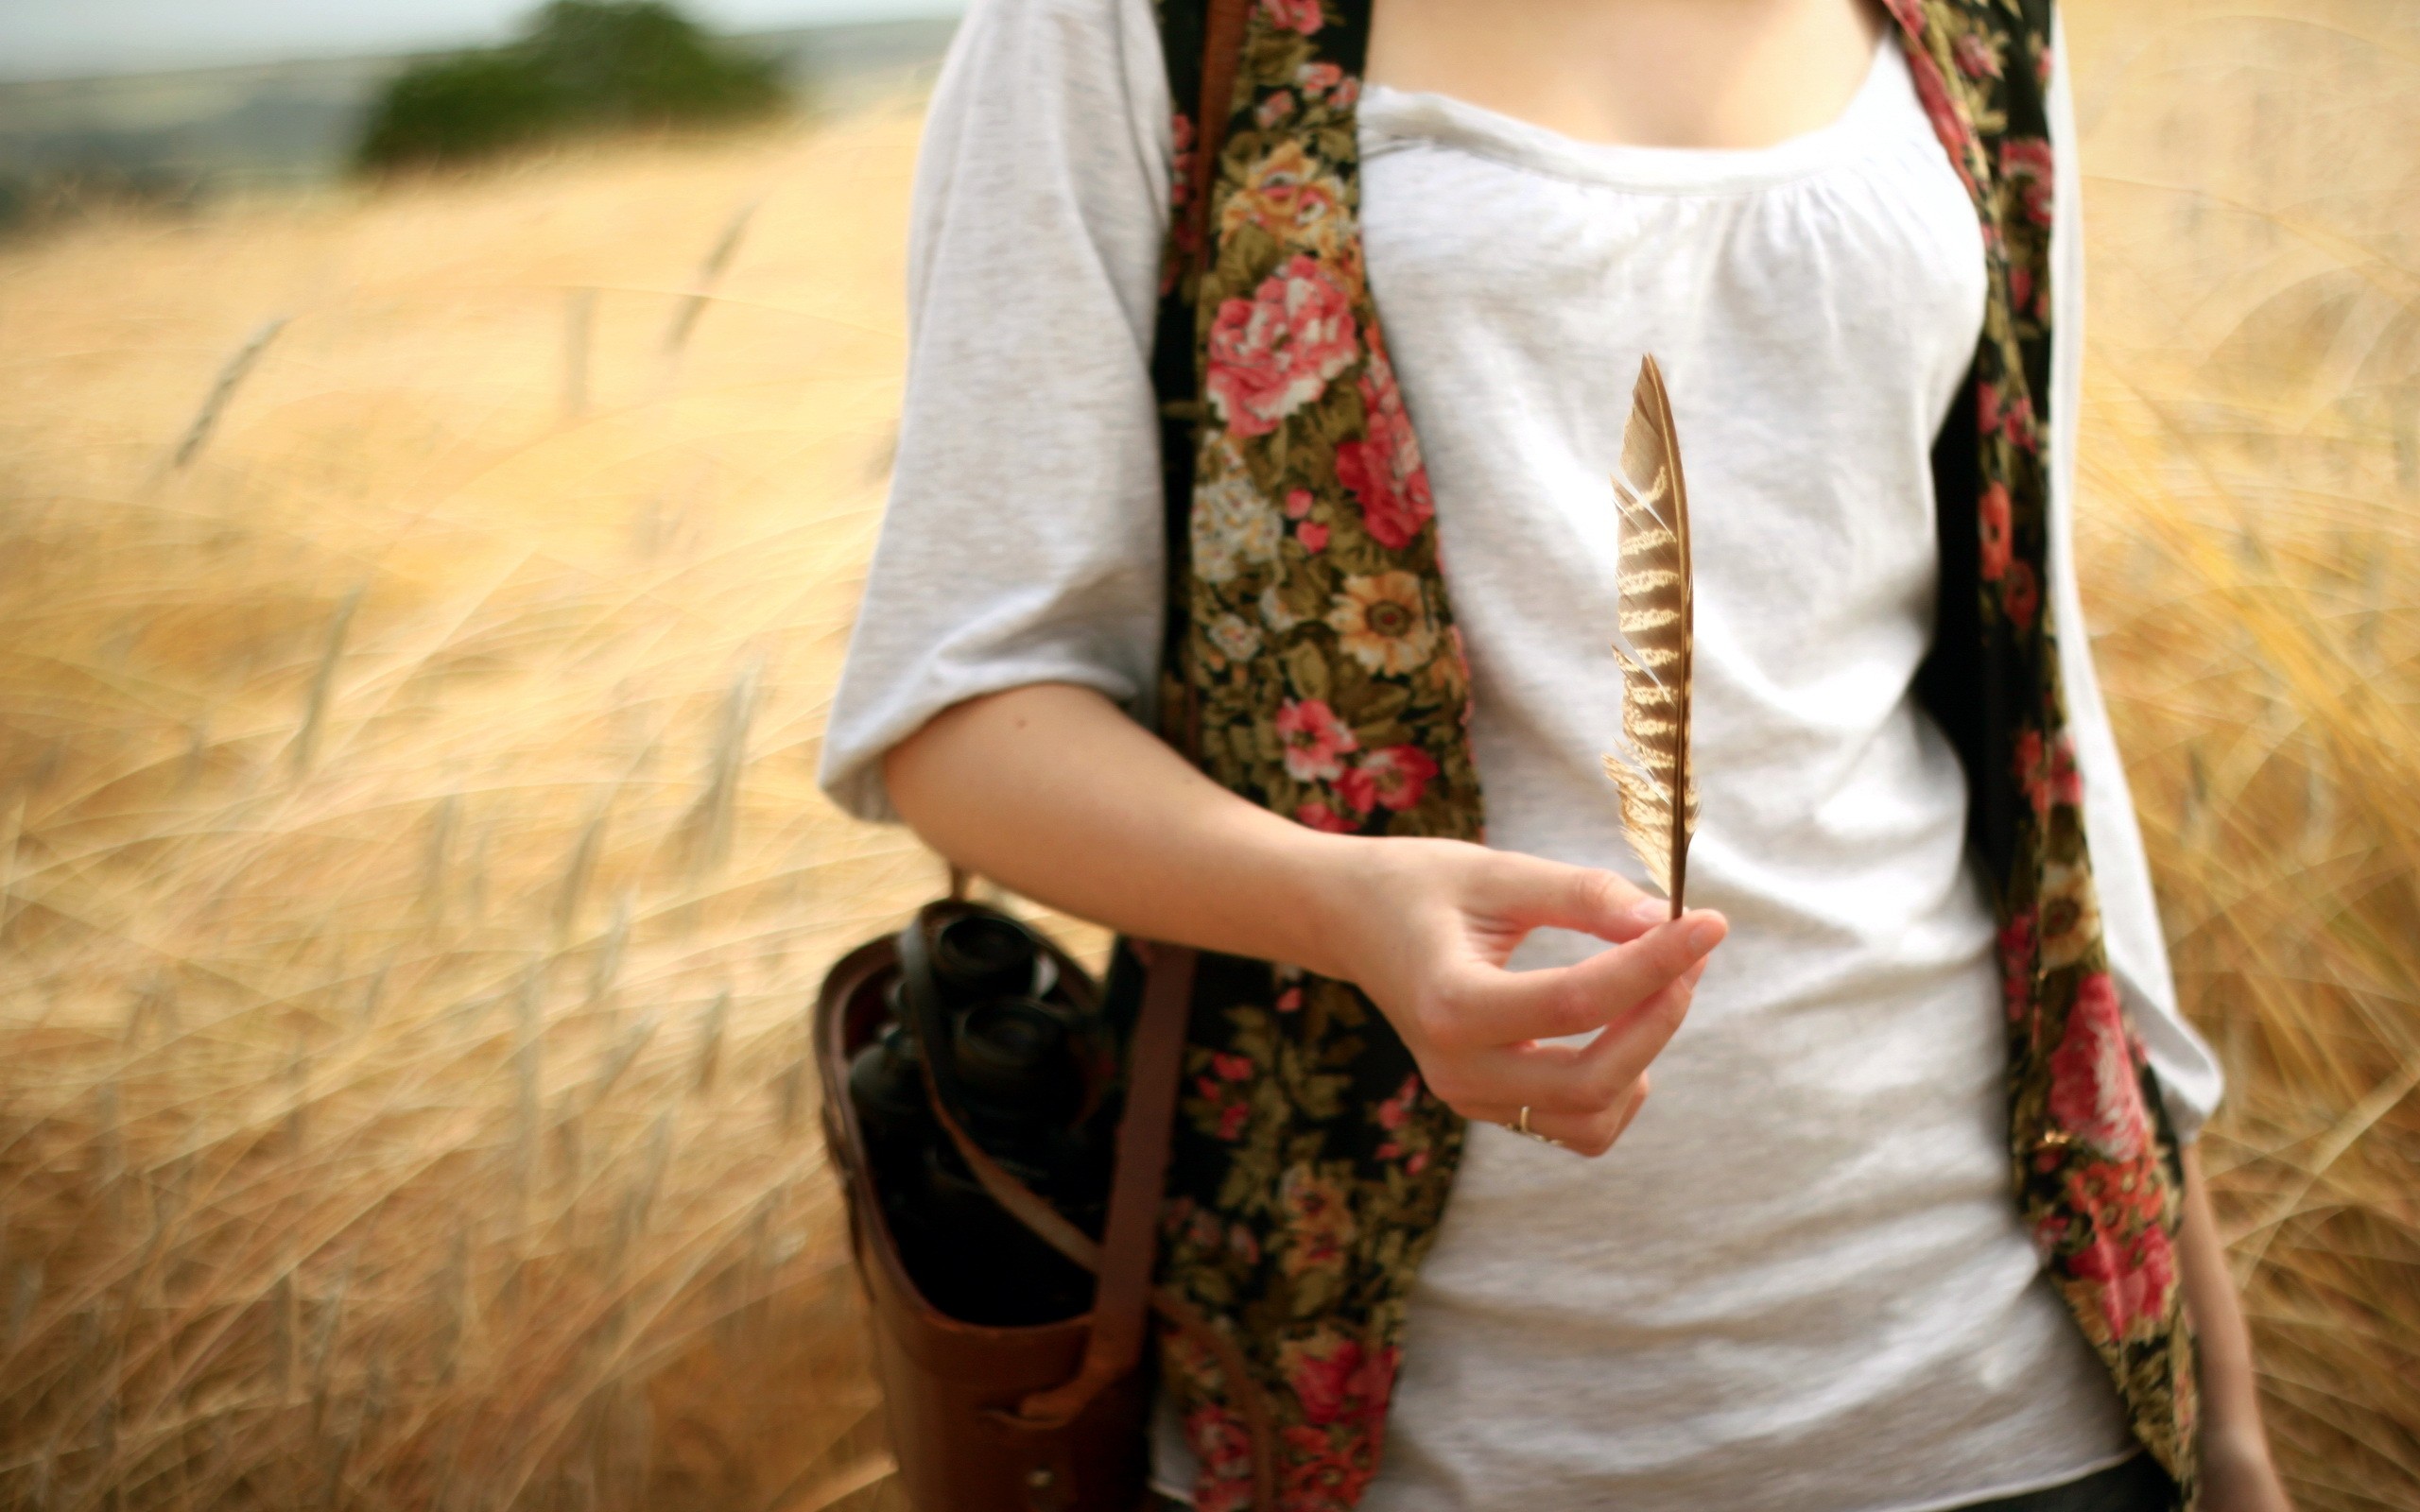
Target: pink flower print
[(1342, 1390), (1295, 15), (2032, 774), (1223, 1448), (1321, 817), (1298, 502), (1996, 524), (2019, 595), (2020, 289), (1948, 127), (1230, 1068), (1274, 353), (1290, 1001), (2067, 781), (1232, 1119), (1317, 1221), (2136, 1276), (2016, 953), (2019, 427), (1315, 741), (1394, 777), (1325, 1379), (1383, 469), (2025, 162), (1337, 1378), (2015, 421), (1180, 161), (2096, 1092), (2048, 781), (1312, 535), (1318, 78), (1323, 1468), (1275, 109)]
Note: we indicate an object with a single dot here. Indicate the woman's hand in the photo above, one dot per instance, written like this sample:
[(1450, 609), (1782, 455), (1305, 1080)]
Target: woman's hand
[(1425, 927), (1051, 791)]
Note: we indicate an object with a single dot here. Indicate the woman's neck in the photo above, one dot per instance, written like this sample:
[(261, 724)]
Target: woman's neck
[(1650, 73)]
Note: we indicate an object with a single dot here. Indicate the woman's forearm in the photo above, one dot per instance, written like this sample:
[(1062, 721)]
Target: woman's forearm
[(1051, 791), (2231, 1398), (2235, 1448), (1054, 793)]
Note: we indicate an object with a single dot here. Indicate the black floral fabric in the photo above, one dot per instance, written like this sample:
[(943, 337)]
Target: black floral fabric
[(1313, 666)]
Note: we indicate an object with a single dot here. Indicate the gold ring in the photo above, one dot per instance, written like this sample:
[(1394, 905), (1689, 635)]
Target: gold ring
[(1521, 1125)]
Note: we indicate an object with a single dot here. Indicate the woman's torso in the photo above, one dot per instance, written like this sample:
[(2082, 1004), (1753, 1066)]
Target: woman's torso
[(1799, 1282)]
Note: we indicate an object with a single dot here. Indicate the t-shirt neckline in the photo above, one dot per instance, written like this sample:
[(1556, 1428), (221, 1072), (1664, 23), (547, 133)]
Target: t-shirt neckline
[(1394, 120)]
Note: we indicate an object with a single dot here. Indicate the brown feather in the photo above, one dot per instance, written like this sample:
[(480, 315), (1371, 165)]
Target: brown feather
[(1653, 767)]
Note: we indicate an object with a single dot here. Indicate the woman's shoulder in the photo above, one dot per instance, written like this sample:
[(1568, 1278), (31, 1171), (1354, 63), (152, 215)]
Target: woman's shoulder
[(1093, 67), (1126, 29), (1095, 13)]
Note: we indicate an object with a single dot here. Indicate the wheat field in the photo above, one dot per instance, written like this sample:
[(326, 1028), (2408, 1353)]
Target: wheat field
[(417, 613)]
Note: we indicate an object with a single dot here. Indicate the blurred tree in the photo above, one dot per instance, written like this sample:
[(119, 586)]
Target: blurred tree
[(459, 109), (583, 65)]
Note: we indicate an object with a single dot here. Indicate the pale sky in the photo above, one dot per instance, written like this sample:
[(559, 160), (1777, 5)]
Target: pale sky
[(52, 39)]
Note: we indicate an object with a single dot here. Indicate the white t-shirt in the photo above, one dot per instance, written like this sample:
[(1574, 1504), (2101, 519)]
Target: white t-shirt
[(1800, 1281)]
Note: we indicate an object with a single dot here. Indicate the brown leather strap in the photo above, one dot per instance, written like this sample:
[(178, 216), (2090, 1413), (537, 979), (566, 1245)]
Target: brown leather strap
[(1125, 1259), (1121, 1296), (1223, 48)]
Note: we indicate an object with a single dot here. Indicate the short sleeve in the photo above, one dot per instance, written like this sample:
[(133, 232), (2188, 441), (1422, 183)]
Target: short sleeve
[(2189, 1076), (1022, 542)]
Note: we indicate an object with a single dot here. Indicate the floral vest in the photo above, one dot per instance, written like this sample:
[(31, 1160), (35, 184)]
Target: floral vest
[(1314, 667)]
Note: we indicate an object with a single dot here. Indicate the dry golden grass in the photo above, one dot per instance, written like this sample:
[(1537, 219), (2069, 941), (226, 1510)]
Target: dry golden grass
[(416, 879), (412, 882), (2251, 542)]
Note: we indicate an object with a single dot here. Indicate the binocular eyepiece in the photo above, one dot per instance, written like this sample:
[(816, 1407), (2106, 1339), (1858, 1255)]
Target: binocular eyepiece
[(1025, 1093), (990, 955)]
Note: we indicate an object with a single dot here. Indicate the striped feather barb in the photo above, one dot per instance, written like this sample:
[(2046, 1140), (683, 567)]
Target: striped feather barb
[(1659, 792)]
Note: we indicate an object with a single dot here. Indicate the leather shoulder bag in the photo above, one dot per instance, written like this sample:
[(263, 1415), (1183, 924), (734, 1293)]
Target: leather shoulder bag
[(1049, 1416)]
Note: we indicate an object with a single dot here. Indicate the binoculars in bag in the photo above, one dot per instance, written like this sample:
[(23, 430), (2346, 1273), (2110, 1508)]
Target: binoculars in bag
[(1004, 1181), (1033, 1067)]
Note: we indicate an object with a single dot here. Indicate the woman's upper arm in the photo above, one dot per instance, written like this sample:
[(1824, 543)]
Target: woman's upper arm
[(1023, 538), (2188, 1072)]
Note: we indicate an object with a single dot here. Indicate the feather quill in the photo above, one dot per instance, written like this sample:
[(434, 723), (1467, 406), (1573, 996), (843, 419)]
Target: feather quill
[(1659, 792)]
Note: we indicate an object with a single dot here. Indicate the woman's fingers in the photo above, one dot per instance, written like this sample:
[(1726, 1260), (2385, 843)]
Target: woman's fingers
[(1575, 1080), (1580, 1080), (1621, 1054), (1522, 893), (1590, 1133), (1630, 1109), (1489, 1006), (1485, 1037)]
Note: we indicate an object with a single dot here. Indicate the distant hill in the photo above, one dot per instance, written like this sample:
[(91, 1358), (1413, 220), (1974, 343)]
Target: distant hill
[(194, 131)]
